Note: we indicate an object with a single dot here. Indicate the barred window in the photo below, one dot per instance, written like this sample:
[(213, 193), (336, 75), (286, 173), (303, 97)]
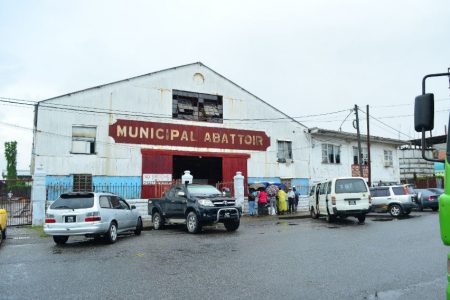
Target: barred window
[(284, 153), (82, 183), (388, 161), (331, 154), (364, 156)]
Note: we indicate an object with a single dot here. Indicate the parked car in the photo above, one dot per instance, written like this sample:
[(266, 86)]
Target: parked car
[(428, 198), (395, 199), (92, 215), (3, 223)]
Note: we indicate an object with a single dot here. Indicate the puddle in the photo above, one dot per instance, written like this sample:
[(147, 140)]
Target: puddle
[(333, 227), (382, 219)]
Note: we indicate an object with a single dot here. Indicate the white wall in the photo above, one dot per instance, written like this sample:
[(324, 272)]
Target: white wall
[(152, 95)]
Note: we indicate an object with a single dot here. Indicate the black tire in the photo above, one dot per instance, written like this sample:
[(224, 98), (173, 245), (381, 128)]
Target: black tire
[(4, 234), (330, 218), (232, 225), (420, 208), (1, 239), (111, 234), (407, 212), (192, 223), (139, 226), (314, 215), (395, 210), (158, 221), (435, 208), (60, 239), (361, 219)]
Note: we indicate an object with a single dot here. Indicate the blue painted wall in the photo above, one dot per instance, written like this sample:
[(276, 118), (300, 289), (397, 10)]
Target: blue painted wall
[(301, 185), (251, 180), (128, 187)]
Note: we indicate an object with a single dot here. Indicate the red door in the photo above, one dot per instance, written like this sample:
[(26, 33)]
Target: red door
[(154, 163)]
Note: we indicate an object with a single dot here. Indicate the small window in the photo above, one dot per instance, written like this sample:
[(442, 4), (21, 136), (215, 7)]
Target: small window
[(388, 162), (104, 202), (329, 187), (384, 192), (82, 183), (364, 156), (124, 204), (284, 153), (398, 190), (197, 106), (83, 139), (331, 154), (323, 189)]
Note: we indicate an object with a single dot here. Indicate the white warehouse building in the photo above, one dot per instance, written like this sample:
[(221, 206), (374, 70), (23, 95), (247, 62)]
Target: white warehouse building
[(149, 129)]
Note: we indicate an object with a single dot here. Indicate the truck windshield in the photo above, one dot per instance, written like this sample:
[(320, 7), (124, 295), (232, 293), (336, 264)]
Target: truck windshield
[(203, 190)]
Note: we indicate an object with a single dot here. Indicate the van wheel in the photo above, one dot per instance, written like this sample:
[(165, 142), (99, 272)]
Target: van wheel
[(314, 215), (361, 219), (330, 218), (111, 234), (4, 234), (395, 210), (158, 221)]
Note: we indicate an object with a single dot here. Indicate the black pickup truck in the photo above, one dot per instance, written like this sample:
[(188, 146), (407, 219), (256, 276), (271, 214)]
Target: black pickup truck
[(196, 205)]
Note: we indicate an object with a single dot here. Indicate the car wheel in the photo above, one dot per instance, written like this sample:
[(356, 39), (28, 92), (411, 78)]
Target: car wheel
[(395, 210), (232, 225), (158, 221), (111, 234), (435, 208), (60, 239), (192, 223), (4, 234), (139, 226), (361, 219)]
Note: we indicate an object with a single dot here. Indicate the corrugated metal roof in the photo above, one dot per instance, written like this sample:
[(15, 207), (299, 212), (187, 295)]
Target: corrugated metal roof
[(353, 136)]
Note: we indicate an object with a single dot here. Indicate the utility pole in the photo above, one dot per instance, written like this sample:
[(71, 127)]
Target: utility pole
[(359, 141), (369, 175)]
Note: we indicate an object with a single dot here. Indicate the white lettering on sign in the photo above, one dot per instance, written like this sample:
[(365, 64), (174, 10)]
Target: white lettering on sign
[(154, 178)]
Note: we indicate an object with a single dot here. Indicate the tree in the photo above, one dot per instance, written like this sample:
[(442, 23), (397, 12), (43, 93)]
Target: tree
[(11, 159)]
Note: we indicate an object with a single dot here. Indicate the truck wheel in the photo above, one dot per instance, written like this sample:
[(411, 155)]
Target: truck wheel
[(232, 225), (60, 239), (361, 219), (435, 208), (330, 218), (192, 223), (139, 226), (158, 222), (111, 234), (395, 210)]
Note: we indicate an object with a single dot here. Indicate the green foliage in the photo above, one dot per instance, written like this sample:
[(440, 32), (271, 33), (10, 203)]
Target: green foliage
[(11, 159)]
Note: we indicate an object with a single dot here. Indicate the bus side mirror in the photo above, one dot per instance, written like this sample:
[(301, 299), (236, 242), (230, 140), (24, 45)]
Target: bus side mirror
[(424, 113)]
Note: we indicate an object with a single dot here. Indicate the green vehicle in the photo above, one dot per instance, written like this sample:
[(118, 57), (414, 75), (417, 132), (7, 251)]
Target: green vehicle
[(424, 121)]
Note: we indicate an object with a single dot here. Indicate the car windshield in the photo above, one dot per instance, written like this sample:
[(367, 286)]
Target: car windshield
[(353, 185), (203, 190), (73, 203)]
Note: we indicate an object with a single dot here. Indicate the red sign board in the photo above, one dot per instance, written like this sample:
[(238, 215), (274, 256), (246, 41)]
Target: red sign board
[(153, 133)]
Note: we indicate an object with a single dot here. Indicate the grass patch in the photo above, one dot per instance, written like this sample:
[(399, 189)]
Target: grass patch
[(39, 229)]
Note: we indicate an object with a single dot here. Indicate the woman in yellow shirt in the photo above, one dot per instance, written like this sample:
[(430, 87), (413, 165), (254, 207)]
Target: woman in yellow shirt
[(282, 205)]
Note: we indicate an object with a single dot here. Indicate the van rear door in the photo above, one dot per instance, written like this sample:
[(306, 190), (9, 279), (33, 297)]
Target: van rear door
[(351, 194)]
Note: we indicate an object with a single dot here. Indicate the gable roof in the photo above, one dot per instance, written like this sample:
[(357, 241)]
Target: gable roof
[(174, 68), (315, 131)]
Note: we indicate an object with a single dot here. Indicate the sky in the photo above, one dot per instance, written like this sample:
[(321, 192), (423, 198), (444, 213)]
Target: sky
[(305, 57)]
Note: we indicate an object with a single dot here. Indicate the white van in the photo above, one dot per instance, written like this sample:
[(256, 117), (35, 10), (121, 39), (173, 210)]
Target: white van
[(340, 197)]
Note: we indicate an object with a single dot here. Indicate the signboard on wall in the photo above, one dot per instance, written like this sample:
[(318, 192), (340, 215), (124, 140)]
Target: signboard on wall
[(153, 133), (148, 179)]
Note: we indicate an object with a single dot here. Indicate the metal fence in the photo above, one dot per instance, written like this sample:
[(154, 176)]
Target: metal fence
[(15, 197), (127, 191)]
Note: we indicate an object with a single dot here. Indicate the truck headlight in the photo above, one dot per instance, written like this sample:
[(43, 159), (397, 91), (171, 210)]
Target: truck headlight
[(205, 202)]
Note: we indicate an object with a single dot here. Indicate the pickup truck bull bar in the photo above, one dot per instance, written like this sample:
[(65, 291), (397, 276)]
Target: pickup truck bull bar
[(226, 209)]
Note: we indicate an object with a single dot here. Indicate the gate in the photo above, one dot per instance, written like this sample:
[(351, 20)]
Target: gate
[(15, 197)]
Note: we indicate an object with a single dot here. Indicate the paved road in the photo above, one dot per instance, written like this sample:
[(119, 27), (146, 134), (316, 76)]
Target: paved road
[(265, 259)]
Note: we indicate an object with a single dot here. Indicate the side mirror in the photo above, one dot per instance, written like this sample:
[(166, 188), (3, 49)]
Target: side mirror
[(424, 113), (133, 207), (181, 194)]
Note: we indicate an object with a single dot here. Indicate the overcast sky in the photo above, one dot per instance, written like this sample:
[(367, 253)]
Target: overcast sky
[(304, 57)]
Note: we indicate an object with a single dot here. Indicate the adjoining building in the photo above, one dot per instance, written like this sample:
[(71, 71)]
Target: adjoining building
[(150, 128), (335, 153)]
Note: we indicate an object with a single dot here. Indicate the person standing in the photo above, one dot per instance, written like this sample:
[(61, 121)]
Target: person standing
[(251, 202), (291, 200), (282, 206), (296, 198), (262, 201)]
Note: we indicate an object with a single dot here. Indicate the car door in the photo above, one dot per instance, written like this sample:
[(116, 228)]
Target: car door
[(381, 198), (129, 218), (179, 202), (322, 198), (118, 212)]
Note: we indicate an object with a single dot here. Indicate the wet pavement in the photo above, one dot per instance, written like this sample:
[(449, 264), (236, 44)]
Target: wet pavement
[(266, 258)]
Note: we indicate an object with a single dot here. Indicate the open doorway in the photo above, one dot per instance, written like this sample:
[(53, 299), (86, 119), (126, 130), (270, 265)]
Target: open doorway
[(206, 170)]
